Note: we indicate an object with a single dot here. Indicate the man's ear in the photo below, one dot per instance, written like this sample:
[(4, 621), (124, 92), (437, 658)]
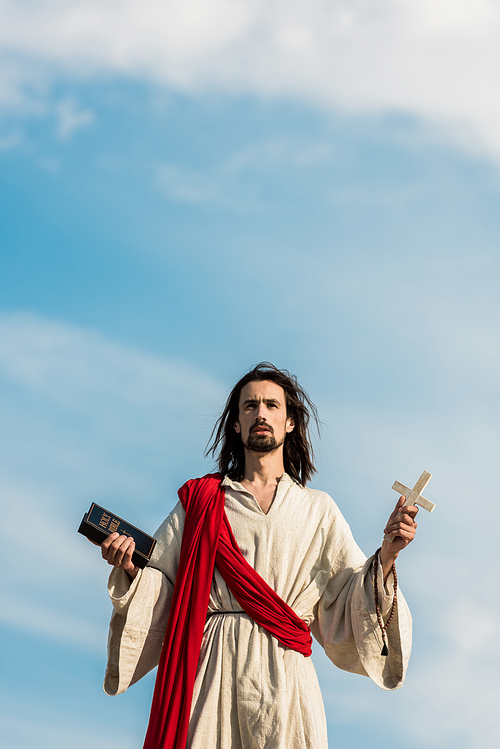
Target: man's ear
[(237, 427), (290, 424)]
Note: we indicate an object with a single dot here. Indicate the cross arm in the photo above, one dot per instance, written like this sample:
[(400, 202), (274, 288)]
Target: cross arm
[(419, 500)]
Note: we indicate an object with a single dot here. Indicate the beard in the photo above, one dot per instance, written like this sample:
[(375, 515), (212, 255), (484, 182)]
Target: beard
[(263, 443)]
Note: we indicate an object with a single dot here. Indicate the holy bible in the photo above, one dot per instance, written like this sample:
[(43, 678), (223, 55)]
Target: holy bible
[(98, 524)]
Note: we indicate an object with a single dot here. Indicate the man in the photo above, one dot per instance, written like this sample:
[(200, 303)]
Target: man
[(253, 685)]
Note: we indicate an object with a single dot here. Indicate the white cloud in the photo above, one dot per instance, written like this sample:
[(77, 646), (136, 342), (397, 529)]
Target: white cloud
[(9, 142), (221, 183), (103, 417), (435, 59), (49, 164), (75, 368), (84, 419), (191, 185), (51, 622), (71, 118), (48, 734)]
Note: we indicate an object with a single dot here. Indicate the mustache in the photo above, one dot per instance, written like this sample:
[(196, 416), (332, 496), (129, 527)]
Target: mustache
[(262, 425)]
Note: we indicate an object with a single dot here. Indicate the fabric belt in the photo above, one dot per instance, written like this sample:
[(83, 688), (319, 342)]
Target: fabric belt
[(221, 613)]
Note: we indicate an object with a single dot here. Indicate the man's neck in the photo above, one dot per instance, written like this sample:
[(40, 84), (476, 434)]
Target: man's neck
[(261, 476)]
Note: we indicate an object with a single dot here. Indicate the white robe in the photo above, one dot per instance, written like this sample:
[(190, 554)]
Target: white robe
[(250, 691)]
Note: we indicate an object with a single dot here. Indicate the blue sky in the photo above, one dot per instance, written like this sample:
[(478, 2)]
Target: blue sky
[(188, 189)]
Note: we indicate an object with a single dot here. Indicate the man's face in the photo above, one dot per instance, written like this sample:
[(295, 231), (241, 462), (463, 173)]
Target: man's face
[(262, 420)]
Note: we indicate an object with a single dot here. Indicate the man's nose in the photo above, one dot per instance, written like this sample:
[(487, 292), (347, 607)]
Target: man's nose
[(261, 413)]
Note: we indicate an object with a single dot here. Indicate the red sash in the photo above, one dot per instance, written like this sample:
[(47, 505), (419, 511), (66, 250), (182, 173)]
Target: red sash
[(208, 540)]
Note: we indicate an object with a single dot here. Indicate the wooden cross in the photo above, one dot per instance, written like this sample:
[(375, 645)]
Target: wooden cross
[(413, 496)]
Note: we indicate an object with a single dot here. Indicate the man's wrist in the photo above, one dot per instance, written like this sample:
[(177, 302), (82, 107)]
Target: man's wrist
[(387, 559), (132, 573)]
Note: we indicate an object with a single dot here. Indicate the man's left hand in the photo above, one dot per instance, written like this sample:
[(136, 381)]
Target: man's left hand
[(401, 527)]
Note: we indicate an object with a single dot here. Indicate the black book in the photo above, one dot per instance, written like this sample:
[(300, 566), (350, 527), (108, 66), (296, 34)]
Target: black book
[(98, 524)]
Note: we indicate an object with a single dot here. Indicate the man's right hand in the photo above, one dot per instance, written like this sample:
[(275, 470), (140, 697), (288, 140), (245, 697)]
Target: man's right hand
[(117, 551)]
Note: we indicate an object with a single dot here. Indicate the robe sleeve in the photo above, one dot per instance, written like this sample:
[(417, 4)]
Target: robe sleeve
[(345, 621), (141, 609)]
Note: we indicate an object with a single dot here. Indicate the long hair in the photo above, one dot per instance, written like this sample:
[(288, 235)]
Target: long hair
[(225, 444)]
